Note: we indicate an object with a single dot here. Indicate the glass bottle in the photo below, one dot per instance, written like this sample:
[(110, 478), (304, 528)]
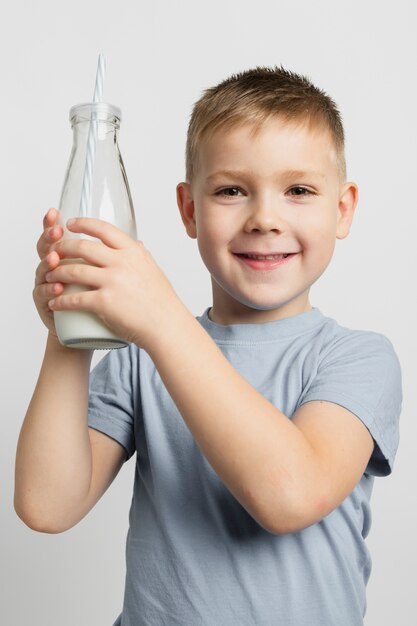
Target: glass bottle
[(109, 200)]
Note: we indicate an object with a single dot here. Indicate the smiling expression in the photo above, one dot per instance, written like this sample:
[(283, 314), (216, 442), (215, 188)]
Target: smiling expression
[(266, 210)]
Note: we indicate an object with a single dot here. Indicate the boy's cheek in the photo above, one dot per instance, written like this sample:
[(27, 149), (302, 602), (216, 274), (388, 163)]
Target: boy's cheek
[(318, 230), (212, 231), (319, 245)]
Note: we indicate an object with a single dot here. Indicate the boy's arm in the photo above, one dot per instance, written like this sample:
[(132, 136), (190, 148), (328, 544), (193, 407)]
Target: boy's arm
[(62, 466), (286, 473)]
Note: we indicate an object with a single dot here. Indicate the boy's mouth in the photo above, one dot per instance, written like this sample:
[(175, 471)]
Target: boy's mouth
[(264, 261), (264, 257)]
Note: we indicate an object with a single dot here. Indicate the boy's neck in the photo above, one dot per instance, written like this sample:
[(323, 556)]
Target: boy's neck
[(237, 313)]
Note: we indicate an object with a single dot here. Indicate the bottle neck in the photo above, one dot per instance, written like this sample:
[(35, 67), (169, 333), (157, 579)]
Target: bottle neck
[(98, 111), (100, 120)]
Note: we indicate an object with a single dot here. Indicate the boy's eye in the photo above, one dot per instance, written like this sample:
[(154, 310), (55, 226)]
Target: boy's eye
[(229, 192), (300, 191)]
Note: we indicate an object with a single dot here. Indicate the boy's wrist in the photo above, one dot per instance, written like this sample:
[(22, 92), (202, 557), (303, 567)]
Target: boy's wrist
[(53, 345), (170, 330)]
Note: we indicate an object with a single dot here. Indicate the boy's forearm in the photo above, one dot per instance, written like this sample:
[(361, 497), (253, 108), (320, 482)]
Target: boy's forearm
[(53, 459), (261, 456)]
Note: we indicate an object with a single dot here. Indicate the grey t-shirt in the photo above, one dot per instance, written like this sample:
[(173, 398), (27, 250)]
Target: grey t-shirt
[(195, 557)]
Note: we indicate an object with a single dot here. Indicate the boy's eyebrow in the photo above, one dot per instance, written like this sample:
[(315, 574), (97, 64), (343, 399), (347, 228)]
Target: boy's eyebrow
[(289, 174), (229, 174), (303, 174)]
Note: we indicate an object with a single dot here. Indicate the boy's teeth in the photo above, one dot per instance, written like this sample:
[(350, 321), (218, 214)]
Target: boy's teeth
[(266, 257)]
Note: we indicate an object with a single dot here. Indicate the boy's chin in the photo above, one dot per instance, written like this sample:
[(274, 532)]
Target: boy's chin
[(232, 302), (291, 306)]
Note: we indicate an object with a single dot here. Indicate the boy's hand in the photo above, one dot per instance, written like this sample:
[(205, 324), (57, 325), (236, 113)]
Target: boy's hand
[(128, 291), (44, 291)]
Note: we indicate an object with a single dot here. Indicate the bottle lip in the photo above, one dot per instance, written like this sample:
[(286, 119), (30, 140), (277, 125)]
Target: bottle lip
[(103, 110)]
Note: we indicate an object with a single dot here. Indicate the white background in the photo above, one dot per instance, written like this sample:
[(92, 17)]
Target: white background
[(161, 55)]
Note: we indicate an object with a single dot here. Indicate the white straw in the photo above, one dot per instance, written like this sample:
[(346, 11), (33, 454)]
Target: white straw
[(86, 192), (101, 71)]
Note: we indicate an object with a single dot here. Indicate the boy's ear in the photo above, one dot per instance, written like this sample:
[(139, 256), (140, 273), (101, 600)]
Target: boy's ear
[(185, 203), (347, 204)]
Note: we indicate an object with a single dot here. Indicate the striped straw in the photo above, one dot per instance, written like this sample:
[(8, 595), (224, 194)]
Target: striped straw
[(86, 193)]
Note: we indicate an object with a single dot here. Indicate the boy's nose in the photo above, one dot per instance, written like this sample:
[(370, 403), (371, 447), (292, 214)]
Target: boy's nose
[(264, 217)]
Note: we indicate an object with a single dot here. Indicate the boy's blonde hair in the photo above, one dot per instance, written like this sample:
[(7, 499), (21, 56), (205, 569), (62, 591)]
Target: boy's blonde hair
[(255, 96)]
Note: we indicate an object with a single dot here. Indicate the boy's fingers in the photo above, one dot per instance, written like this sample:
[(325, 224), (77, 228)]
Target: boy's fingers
[(49, 236), (76, 274), (50, 218), (79, 301), (46, 291), (48, 263), (106, 232), (92, 252)]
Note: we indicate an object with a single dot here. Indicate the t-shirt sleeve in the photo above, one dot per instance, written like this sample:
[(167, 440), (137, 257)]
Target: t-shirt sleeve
[(111, 406), (361, 373)]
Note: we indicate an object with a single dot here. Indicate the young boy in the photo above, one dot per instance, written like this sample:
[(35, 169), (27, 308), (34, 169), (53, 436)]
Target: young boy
[(258, 427)]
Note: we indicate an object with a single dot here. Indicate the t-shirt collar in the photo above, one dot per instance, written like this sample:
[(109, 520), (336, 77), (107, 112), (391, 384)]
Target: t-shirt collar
[(264, 331)]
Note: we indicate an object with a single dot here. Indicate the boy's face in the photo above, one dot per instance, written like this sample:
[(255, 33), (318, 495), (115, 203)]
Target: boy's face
[(266, 210)]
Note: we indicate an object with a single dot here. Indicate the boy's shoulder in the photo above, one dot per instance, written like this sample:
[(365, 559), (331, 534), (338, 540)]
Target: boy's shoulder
[(355, 344)]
